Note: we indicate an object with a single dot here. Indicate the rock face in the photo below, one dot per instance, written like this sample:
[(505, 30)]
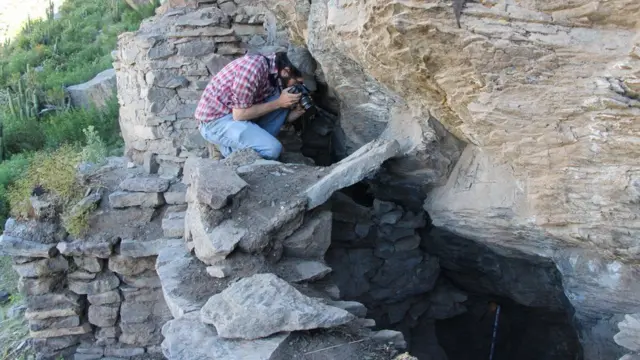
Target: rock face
[(95, 92), (538, 90)]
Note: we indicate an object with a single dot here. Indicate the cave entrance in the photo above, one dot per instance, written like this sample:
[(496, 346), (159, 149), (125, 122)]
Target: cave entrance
[(443, 291)]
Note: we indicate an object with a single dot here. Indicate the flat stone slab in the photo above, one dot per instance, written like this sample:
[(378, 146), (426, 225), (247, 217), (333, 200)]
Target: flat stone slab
[(124, 199), (188, 338), (212, 243), (103, 315), (137, 248), (15, 246), (127, 265), (100, 249), (185, 283), (145, 184), (39, 286), (52, 305), (77, 330), (264, 304), (173, 224), (351, 170)]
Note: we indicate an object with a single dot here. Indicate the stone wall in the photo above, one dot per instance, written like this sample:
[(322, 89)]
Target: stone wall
[(163, 68), (98, 295)]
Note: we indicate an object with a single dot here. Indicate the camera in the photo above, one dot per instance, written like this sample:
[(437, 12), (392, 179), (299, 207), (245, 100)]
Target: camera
[(305, 100)]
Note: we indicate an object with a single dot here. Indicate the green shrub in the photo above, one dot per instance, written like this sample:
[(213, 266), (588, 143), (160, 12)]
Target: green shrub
[(94, 151)]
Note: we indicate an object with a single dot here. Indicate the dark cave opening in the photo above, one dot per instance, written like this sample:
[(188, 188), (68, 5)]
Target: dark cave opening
[(442, 291)]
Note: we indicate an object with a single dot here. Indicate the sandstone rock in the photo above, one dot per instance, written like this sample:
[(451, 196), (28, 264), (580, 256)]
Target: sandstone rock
[(85, 204), (14, 246), (173, 224), (103, 315), (136, 249), (349, 171), (107, 333), (95, 92), (188, 338), (35, 231), (141, 294), (42, 267), (299, 270), (52, 305), (136, 312), (39, 286), (100, 249), (109, 297), (77, 330), (88, 263), (218, 271), (145, 184), (103, 282), (131, 266), (312, 239), (212, 183), (54, 323), (281, 308), (122, 199), (185, 283)]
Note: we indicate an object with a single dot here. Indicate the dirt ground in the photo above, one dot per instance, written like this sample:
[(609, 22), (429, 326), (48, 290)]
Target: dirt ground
[(13, 13)]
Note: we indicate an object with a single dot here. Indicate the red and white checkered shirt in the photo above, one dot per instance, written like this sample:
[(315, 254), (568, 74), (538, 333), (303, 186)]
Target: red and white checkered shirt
[(241, 84)]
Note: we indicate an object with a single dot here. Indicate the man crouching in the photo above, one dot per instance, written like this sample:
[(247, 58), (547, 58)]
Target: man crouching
[(244, 105)]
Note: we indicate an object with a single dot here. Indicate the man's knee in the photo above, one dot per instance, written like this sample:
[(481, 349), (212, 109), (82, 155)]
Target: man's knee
[(272, 150)]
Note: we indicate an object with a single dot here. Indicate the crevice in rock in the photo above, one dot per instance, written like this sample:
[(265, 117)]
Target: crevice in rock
[(441, 290)]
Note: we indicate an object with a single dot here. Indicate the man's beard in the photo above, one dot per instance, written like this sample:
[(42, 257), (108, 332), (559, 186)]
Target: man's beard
[(283, 81)]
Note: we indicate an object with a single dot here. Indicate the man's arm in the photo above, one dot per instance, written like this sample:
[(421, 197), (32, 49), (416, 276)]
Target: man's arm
[(286, 100)]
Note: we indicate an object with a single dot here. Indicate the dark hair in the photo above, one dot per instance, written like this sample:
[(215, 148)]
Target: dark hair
[(282, 61)]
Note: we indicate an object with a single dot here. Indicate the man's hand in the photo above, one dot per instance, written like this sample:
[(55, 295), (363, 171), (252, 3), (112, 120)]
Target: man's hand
[(287, 99), (295, 113)]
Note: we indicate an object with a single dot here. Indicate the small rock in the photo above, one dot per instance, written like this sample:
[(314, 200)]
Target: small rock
[(382, 207), (100, 249), (408, 243), (282, 308), (107, 332), (52, 305), (130, 165), (218, 271), (362, 230), (85, 204), (145, 184), (212, 183), (353, 307), (312, 239), (16, 311), (136, 312), (4, 297), (134, 248), (391, 217)]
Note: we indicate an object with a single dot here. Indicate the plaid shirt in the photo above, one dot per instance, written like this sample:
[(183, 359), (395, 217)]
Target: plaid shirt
[(241, 84)]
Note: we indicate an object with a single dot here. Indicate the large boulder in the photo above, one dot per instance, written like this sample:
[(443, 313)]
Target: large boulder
[(96, 91)]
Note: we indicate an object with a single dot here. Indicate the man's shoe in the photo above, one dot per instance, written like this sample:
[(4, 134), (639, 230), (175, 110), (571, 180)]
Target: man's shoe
[(214, 152)]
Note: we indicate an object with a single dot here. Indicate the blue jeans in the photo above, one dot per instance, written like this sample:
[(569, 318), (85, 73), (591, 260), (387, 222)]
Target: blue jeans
[(259, 134)]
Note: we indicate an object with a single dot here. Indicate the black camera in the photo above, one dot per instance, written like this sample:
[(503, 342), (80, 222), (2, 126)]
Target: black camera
[(305, 99)]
